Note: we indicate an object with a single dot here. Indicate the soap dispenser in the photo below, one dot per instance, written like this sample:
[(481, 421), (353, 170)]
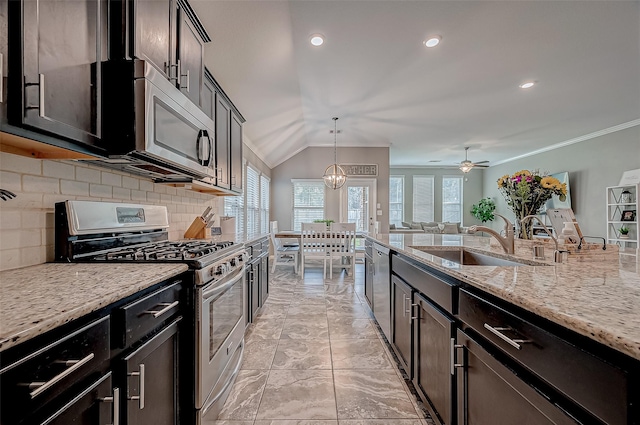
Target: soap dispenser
[(568, 233)]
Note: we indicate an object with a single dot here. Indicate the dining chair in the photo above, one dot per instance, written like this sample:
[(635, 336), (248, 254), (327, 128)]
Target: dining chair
[(285, 242), (342, 246), (313, 245), (284, 255)]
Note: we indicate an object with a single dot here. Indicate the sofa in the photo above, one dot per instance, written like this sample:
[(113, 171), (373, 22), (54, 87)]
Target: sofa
[(429, 227)]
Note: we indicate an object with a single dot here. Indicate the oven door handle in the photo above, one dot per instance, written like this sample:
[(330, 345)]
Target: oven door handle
[(210, 293)]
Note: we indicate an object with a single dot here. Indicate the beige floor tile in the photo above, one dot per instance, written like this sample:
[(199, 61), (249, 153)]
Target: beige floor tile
[(244, 399), (348, 328), (302, 354), (359, 354), (311, 328), (258, 353)]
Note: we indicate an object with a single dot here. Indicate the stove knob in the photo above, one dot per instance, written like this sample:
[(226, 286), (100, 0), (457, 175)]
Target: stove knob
[(232, 262), (219, 270)]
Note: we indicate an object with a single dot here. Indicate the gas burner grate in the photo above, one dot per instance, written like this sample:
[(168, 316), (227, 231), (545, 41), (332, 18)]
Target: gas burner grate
[(166, 251)]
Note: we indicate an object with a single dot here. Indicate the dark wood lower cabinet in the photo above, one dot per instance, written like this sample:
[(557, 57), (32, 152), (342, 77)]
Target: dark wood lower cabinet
[(151, 389), (254, 287), (401, 322), (264, 279), (489, 392), (434, 339)]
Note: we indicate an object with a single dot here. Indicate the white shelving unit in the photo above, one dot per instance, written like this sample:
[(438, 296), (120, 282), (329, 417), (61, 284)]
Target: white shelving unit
[(615, 210)]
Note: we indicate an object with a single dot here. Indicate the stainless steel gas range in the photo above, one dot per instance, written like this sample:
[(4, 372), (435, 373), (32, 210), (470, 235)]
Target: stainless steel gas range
[(88, 231)]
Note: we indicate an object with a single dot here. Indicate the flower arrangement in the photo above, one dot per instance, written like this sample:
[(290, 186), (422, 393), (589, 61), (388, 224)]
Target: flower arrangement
[(526, 192)]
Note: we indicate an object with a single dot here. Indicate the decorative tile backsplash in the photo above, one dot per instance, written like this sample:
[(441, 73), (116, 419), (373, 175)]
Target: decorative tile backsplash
[(27, 222)]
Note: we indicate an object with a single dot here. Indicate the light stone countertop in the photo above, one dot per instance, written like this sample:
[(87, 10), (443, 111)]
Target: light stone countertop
[(593, 294), (39, 298)]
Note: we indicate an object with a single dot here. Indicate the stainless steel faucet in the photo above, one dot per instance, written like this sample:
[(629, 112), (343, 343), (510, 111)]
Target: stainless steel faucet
[(557, 254), (505, 241)]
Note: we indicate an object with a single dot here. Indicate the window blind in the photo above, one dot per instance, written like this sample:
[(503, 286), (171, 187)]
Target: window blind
[(308, 202), (423, 208), (396, 200), (452, 199), (253, 200), (264, 204), (234, 207)]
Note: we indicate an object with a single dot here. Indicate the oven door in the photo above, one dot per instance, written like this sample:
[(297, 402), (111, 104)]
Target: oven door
[(220, 332)]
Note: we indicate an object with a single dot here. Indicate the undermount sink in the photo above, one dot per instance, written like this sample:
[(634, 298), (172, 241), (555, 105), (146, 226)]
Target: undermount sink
[(466, 257)]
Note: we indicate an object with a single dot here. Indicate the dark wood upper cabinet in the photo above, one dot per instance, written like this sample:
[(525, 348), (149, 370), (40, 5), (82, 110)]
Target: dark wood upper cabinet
[(154, 34), (190, 58), (56, 49), (223, 141), (236, 152)]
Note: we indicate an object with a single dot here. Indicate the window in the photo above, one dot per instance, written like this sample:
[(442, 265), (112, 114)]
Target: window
[(253, 200), (308, 202), (452, 199), (423, 198), (396, 200), (264, 204), (234, 207)]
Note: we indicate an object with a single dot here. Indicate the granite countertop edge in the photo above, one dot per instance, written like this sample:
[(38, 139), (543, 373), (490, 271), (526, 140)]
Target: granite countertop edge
[(612, 320), (40, 298)]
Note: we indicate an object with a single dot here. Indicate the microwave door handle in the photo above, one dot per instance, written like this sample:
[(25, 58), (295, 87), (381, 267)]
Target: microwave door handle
[(203, 151)]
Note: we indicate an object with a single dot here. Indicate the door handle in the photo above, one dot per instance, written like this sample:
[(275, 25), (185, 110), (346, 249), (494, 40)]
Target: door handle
[(452, 352), (186, 86), (40, 85), (203, 148), (115, 399), (139, 397)]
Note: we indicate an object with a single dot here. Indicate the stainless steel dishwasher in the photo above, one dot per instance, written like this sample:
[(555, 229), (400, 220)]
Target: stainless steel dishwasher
[(382, 288)]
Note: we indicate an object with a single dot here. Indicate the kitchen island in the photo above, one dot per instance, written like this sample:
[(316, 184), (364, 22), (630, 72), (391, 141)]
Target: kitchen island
[(472, 327)]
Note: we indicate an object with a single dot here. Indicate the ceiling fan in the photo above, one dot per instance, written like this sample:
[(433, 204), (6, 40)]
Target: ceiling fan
[(466, 165)]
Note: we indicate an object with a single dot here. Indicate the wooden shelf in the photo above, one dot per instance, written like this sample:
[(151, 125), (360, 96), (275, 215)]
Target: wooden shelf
[(18, 145)]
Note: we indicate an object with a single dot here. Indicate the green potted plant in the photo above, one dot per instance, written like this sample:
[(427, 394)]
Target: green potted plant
[(327, 222), (484, 209), (623, 232)]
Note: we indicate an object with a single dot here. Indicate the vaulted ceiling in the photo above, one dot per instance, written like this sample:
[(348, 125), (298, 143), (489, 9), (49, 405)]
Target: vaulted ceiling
[(374, 73)]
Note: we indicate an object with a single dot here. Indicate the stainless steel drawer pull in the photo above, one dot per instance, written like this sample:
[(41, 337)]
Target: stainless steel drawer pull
[(515, 343), (40, 85), (140, 397), (452, 351), (167, 307), (74, 365), (116, 405)]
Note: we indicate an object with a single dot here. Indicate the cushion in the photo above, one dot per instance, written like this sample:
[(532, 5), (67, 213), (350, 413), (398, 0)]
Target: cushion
[(450, 228), (432, 229), (405, 224), (429, 224), (392, 226), (415, 225)]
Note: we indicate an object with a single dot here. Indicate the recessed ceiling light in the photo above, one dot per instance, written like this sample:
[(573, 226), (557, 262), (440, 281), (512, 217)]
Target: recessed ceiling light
[(527, 85), (317, 40), (433, 41)]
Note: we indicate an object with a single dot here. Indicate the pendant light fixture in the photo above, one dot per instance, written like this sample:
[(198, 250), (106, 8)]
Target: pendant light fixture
[(334, 176)]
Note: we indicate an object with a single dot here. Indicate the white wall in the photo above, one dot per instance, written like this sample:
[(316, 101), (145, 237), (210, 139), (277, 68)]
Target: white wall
[(310, 164), (592, 165), (471, 190)]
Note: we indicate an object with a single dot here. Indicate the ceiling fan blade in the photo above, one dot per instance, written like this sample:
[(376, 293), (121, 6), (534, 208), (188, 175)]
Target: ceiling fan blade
[(480, 166), (481, 162)]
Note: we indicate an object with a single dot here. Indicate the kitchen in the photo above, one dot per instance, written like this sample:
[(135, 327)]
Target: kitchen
[(28, 229)]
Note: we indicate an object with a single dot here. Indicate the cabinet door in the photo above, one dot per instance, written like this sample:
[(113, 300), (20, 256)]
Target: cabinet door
[(491, 393), (190, 55), (434, 338), (4, 48), (264, 279), (223, 111), (58, 46), (207, 99), (155, 34), (368, 281), (255, 289), (152, 389), (247, 296), (236, 153), (401, 322), (93, 406)]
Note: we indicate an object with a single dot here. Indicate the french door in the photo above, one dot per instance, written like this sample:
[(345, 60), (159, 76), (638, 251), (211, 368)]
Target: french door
[(358, 204)]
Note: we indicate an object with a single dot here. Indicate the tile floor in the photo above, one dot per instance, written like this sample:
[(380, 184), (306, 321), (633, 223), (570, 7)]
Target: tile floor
[(314, 356)]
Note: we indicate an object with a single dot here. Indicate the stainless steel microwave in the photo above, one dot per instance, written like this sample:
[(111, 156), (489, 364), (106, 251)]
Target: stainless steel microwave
[(150, 128)]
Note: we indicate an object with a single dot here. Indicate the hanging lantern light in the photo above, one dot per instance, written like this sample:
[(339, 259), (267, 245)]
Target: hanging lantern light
[(334, 176)]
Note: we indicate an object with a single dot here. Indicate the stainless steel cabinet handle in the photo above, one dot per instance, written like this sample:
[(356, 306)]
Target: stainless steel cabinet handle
[(452, 351), (1, 77), (412, 316), (167, 307), (515, 343), (140, 397), (115, 399), (404, 305), (41, 387), (186, 86), (167, 68), (40, 85)]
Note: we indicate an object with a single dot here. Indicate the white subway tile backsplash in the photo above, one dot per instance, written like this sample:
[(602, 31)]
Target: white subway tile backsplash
[(27, 233), (100, 191), (10, 181), (58, 169), (89, 175), (111, 179), (40, 184), (122, 193), (20, 164), (72, 187), (130, 182)]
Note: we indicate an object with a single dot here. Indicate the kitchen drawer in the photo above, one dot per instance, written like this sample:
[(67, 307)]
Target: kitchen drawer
[(265, 246), (142, 316), (36, 379), (598, 386), (439, 288)]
